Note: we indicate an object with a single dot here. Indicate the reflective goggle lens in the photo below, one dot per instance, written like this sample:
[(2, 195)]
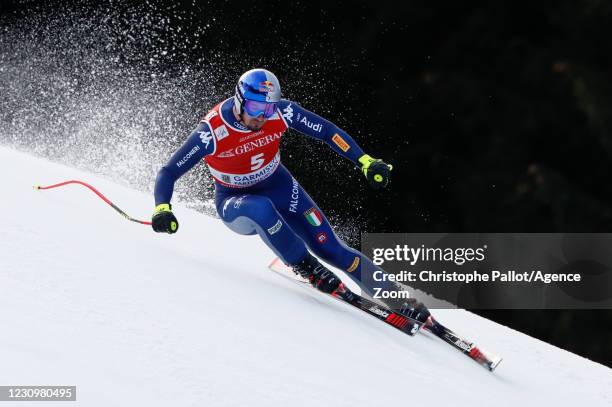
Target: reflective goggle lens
[(255, 108)]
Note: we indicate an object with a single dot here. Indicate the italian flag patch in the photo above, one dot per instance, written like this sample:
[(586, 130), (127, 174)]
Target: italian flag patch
[(313, 216)]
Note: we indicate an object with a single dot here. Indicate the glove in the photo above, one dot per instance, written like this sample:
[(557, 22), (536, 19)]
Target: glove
[(376, 171), (164, 220)]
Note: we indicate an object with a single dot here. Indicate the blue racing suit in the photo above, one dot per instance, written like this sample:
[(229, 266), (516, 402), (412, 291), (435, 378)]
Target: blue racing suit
[(277, 208)]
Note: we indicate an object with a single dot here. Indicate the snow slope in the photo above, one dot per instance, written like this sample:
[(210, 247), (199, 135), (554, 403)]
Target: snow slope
[(135, 318)]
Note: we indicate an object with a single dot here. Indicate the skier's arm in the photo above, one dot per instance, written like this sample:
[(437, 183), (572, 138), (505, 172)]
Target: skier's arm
[(199, 144), (313, 125), (376, 171)]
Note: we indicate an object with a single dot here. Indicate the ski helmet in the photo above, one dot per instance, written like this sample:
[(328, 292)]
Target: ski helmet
[(257, 92)]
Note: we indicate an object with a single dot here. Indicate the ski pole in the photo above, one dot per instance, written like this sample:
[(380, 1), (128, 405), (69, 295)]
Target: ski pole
[(105, 199)]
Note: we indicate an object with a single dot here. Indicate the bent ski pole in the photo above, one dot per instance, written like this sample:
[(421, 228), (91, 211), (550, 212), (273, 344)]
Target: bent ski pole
[(105, 199)]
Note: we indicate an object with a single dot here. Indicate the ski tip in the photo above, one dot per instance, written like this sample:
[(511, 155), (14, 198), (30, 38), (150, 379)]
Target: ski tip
[(484, 358), (493, 365)]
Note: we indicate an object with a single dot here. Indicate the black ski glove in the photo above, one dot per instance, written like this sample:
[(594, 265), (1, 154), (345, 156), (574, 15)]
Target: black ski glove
[(376, 171), (163, 220)]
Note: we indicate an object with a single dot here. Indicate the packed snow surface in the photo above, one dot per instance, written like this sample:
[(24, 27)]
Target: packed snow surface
[(136, 318)]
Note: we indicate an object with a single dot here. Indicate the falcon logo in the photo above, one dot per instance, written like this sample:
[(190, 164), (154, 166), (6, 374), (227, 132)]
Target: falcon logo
[(295, 196), (184, 160), (205, 136), (288, 113)]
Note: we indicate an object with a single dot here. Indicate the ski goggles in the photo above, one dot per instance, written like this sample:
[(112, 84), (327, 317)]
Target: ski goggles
[(255, 108)]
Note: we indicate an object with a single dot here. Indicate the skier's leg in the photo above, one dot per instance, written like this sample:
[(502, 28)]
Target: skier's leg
[(311, 225), (306, 219), (314, 228), (249, 214)]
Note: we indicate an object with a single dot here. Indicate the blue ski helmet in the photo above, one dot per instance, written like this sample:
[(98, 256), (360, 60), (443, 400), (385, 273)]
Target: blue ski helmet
[(258, 85)]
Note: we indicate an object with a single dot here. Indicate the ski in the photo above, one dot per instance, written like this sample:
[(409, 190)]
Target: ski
[(398, 321), (405, 324)]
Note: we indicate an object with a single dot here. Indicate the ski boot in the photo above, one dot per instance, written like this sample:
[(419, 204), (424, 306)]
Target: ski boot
[(318, 275), (409, 307), (415, 310)]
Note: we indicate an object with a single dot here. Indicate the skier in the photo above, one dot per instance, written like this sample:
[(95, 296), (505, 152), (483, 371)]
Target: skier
[(255, 194)]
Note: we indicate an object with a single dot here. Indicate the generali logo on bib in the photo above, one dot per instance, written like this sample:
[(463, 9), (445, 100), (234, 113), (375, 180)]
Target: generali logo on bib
[(250, 146)]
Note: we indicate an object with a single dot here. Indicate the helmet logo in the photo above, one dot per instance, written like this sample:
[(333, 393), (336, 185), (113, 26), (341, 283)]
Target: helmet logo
[(266, 86)]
